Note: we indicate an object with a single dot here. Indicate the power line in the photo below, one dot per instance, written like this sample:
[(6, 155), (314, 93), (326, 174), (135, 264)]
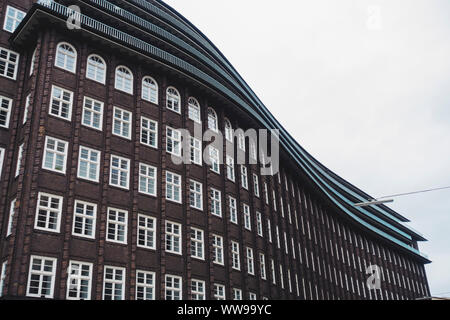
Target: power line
[(415, 192)]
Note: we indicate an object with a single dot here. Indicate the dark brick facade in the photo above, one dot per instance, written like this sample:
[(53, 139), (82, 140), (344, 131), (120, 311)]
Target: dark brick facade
[(327, 253)]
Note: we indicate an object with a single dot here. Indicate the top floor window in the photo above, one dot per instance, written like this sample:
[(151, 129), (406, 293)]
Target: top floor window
[(194, 110), (13, 18), (124, 79), (173, 100), (66, 57), (96, 68), (228, 130), (150, 90), (212, 120)]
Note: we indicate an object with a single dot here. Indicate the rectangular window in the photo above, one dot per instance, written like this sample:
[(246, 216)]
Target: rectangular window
[(216, 202), (79, 281), (19, 160), (12, 211), (61, 103), (259, 226), (244, 178), (149, 132), (256, 185), (2, 156), (5, 111), (92, 113), (274, 196), (262, 266), (241, 141), (237, 294), (272, 267), (120, 172), (114, 283), (219, 292), (145, 285), (218, 250), (266, 193), (3, 277), (173, 237), (173, 141), (250, 262), (122, 123), (277, 231), (230, 169), (117, 226), (27, 107), (13, 18), (233, 210), (9, 62), (146, 232), (281, 277), (198, 290), (89, 164), (196, 194), (235, 255), (247, 218), (147, 179), (48, 212), (84, 220), (196, 151), (197, 244), (252, 296), (55, 155), (173, 187), (41, 277), (214, 159), (173, 288)]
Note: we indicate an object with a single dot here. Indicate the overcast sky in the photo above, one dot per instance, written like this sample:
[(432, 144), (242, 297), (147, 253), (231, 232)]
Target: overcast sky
[(362, 85)]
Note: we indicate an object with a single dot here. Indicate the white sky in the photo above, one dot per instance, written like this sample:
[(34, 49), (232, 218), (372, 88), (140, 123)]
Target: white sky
[(366, 93)]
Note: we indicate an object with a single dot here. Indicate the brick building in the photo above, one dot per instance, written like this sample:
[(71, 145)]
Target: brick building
[(93, 207)]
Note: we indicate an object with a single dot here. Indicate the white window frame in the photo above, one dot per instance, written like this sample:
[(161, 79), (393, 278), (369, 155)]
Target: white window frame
[(244, 177), (262, 266), (214, 159), (150, 90), (56, 154), (173, 100), (19, 160), (124, 79), (235, 256), (49, 211), (197, 244), (2, 156), (121, 124), (218, 253), (173, 141), (98, 68), (114, 236), (237, 294), (67, 56), (78, 278), (12, 212), (6, 110), (60, 102), (250, 261), (175, 191), (196, 195), (229, 132), (83, 218), (247, 217), (27, 107), (13, 14), (230, 168), (115, 282), (9, 62), (151, 133), (90, 163), (256, 184), (142, 282), (219, 291), (120, 172), (41, 273), (93, 113), (3, 276), (198, 290), (176, 291), (173, 238), (196, 151), (194, 110), (259, 224), (233, 210), (145, 177), (216, 202), (146, 233), (213, 120), (33, 60)]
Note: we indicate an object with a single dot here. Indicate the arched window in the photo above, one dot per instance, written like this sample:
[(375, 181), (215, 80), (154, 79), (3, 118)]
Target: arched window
[(194, 110), (212, 120), (150, 90), (33, 60), (173, 100), (124, 79), (96, 68), (228, 130), (66, 57)]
